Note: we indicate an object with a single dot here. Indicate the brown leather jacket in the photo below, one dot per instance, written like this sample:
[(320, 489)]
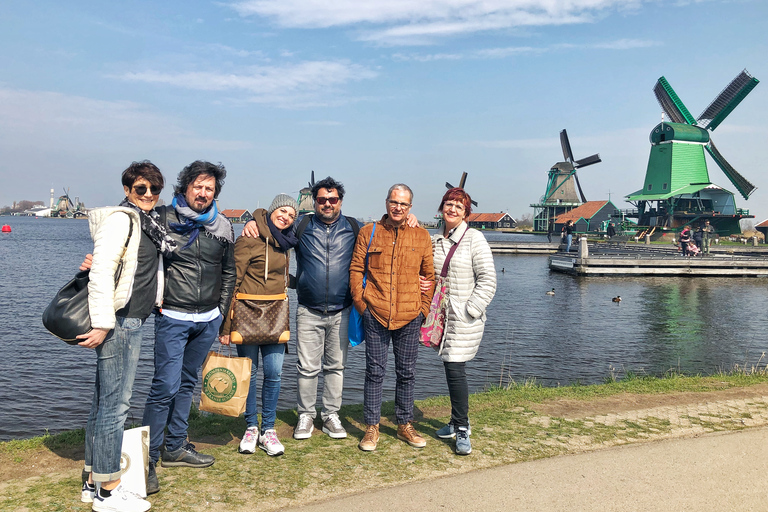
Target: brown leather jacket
[(251, 256), (398, 255)]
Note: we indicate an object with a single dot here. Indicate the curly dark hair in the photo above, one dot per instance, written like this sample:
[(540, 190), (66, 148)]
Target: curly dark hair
[(190, 173), (144, 169), (328, 183)]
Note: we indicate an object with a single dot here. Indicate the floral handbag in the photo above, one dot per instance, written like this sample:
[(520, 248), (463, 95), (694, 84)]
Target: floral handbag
[(433, 329)]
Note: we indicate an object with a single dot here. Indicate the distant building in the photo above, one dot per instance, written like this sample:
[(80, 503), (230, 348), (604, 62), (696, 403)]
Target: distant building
[(763, 228), (237, 215), (592, 216), (491, 221)]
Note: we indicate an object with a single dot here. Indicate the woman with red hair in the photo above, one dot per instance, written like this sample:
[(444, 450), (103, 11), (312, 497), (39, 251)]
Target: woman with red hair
[(471, 285)]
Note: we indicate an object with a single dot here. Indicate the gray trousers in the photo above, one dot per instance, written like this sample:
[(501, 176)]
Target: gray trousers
[(321, 345)]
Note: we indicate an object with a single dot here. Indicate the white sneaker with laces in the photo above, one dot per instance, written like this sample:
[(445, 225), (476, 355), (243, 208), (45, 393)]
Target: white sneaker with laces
[(332, 426), (120, 500), (304, 427), (269, 442), (249, 440), (88, 492)]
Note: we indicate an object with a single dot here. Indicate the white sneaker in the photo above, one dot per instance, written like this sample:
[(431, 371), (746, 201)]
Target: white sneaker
[(250, 438), (269, 443), (304, 427), (120, 500), (87, 493)]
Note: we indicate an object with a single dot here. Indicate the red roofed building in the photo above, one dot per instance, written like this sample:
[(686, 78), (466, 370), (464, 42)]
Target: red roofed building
[(763, 228), (491, 221), (237, 215), (592, 216)]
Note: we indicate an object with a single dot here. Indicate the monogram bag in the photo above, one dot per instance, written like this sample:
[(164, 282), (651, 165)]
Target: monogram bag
[(261, 319)]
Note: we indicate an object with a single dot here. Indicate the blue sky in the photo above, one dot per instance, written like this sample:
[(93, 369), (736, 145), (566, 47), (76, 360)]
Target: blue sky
[(369, 92)]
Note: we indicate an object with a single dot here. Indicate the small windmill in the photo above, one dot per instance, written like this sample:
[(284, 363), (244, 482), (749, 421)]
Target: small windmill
[(677, 188), (306, 204), (462, 181), (562, 184)]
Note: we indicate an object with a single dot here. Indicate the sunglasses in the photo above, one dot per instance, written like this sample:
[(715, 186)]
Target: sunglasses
[(142, 189), (323, 200)]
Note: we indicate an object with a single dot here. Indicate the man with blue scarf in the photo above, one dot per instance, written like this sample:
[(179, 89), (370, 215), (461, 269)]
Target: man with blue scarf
[(199, 281)]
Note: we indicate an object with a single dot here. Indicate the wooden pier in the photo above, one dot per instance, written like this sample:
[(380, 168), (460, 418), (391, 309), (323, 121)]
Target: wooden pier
[(642, 260)]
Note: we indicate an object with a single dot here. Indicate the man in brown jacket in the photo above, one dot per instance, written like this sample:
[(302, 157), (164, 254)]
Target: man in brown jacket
[(393, 307)]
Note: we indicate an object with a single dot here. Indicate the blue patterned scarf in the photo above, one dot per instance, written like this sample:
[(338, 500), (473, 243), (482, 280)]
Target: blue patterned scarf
[(216, 225)]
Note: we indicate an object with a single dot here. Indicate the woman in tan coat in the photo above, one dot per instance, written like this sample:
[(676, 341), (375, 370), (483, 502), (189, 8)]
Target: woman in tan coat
[(262, 269)]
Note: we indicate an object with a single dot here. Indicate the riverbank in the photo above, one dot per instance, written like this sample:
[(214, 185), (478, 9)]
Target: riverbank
[(510, 426)]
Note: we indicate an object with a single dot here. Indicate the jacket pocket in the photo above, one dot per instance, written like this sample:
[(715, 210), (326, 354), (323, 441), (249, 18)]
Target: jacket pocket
[(375, 260)]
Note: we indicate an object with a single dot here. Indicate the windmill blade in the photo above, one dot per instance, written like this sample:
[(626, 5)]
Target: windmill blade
[(448, 185), (566, 145), (463, 180), (590, 160), (671, 104), (741, 183), (312, 180), (578, 185), (727, 100)]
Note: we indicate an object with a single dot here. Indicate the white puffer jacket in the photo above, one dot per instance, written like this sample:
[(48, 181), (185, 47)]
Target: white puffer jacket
[(471, 287), (109, 230)]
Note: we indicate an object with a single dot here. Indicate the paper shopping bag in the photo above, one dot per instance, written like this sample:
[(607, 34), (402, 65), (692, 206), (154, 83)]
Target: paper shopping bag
[(225, 384), (134, 460)]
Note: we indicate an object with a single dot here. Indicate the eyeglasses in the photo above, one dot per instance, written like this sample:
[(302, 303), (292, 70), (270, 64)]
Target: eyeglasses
[(457, 206), (323, 200), (142, 189), (398, 204)]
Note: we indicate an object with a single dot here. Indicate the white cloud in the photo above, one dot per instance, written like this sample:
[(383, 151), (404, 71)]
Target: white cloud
[(55, 121), (263, 81), (398, 22)]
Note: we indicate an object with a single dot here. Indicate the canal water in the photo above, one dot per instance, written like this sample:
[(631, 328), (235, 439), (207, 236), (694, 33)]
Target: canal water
[(689, 325)]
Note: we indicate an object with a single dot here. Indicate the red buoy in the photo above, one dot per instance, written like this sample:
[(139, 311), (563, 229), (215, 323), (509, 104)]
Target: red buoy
[(6, 228)]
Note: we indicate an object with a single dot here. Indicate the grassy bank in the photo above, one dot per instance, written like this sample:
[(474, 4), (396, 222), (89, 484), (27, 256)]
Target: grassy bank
[(516, 423)]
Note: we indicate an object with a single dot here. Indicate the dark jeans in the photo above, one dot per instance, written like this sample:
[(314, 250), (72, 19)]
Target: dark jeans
[(180, 350), (458, 389), (405, 346)]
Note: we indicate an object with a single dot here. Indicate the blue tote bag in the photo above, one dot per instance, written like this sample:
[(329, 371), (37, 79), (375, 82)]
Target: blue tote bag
[(356, 327)]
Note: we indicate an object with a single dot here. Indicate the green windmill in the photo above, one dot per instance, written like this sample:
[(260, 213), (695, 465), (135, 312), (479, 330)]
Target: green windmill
[(677, 189), (306, 203)]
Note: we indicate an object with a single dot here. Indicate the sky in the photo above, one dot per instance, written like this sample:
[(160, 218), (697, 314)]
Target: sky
[(371, 92)]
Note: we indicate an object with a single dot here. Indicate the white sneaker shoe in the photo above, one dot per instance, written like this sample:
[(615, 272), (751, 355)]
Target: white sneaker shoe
[(87, 493), (120, 500), (304, 427), (249, 440), (269, 443)]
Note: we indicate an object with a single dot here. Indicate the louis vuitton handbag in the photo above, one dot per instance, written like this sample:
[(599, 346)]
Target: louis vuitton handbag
[(260, 319)]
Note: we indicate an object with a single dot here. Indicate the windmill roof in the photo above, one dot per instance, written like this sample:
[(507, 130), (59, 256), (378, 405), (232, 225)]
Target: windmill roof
[(642, 195), (485, 217), (586, 210), (233, 213)]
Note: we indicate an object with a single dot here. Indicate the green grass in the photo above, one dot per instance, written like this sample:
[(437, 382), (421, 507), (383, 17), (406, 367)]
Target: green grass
[(506, 429)]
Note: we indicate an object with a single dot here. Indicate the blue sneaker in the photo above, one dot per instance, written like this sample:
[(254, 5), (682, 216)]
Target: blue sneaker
[(448, 432), (463, 445)]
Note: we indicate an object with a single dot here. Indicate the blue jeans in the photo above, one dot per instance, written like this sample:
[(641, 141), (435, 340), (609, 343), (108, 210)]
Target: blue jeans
[(180, 350), (116, 361), (568, 240), (272, 357)]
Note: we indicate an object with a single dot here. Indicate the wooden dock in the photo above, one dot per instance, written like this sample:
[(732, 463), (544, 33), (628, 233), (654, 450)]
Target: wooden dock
[(642, 260)]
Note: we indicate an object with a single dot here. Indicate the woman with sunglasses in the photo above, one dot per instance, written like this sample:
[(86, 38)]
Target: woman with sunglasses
[(262, 269), (471, 285), (122, 292)]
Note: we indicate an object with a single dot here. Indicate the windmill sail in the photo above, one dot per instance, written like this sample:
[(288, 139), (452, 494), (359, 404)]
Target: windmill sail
[(587, 161), (566, 145), (581, 192), (740, 182), (727, 100), (671, 104)]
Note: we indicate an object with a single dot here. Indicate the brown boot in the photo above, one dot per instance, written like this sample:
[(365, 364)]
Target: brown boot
[(370, 439), (407, 433)]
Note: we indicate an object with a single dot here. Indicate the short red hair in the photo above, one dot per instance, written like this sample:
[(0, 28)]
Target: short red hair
[(460, 196)]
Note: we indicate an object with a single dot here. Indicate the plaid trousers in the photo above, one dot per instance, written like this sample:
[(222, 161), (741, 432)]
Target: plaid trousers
[(405, 346)]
